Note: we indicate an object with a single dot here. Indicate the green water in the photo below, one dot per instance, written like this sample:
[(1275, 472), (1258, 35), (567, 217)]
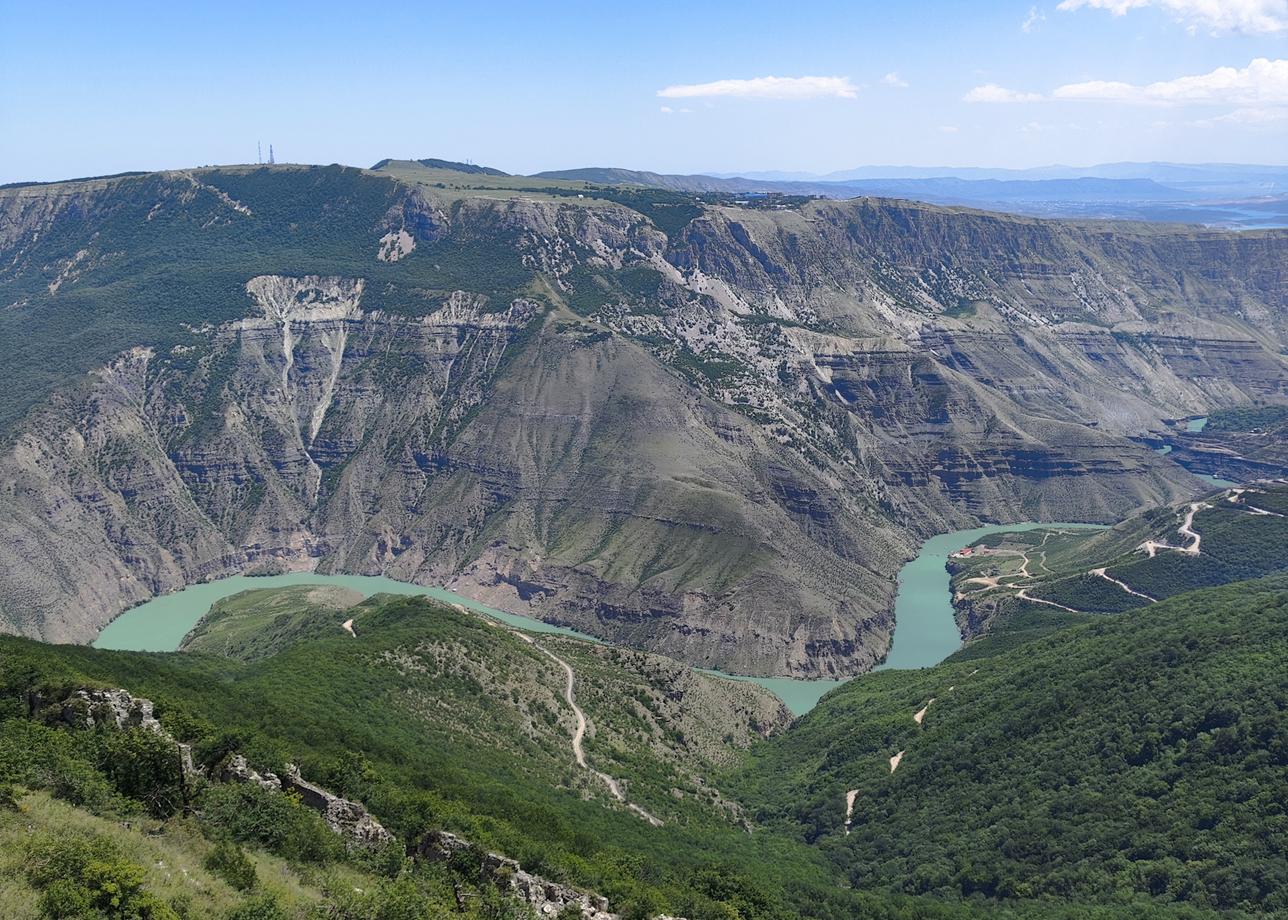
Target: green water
[(799, 696), (1196, 424), (925, 629), (1216, 480), (160, 624)]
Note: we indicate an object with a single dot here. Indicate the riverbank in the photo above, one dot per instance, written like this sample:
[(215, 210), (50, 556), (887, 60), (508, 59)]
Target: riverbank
[(925, 625)]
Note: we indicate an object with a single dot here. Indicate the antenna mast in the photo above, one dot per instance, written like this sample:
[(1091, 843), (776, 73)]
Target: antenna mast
[(259, 152), (271, 161)]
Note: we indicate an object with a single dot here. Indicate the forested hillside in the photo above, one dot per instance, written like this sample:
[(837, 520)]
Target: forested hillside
[(1123, 769), (1135, 759)]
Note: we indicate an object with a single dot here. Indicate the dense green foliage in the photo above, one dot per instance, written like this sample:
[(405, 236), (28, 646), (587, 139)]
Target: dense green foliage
[(633, 285), (229, 862), (86, 878), (1132, 759), (1238, 543), (360, 728), (669, 211), (1088, 593)]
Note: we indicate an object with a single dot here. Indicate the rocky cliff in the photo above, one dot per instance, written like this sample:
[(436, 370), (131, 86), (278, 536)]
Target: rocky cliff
[(717, 441)]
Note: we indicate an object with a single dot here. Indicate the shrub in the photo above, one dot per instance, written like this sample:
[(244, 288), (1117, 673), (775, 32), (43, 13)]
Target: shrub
[(277, 822), (228, 861), (85, 876), (261, 907), (40, 757), (145, 766)]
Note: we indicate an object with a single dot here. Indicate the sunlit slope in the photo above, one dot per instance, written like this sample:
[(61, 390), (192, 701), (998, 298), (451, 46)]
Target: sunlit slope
[(1131, 759)]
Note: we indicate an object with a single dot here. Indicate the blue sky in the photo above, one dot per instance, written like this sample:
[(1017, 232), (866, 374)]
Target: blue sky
[(96, 88)]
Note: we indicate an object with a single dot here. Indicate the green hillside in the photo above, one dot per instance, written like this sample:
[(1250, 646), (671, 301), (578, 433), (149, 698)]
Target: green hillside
[(1023, 578), (438, 720), (170, 253), (257, 624), (434, 719), (1129, 760)]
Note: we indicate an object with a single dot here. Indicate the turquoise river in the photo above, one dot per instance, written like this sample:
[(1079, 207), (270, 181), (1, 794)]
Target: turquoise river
[(925, 629)]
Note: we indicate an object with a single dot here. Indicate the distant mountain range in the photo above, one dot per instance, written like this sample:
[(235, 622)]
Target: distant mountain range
[(1237, 196), (1162, 172)]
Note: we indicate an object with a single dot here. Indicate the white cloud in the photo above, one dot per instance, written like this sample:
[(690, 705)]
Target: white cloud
[(1253, 117), (1262, 83), (948, 129), (893, 79), (766, 88), (991, 92), (1032, 20), (1253, 17), (667, 110)]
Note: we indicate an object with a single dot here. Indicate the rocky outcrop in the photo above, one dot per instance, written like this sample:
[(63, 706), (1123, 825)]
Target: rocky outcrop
[(546, 898), (236, 769), (89, 709), (93, 708), (347, 818)]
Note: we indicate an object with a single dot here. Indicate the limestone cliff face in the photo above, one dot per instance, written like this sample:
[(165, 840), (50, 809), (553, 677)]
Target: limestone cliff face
[(718, 443)]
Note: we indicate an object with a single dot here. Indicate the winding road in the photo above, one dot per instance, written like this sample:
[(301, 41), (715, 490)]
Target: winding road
[(578, 752), (579, 733), (1185, 530), (1151, 547)]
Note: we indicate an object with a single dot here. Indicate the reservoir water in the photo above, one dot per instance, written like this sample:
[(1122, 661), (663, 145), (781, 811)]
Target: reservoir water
[(160, 624), (925, 628)]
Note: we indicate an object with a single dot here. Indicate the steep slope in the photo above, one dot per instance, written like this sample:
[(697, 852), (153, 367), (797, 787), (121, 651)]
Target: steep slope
[(1132, 760), (449, 729), (704, 430)]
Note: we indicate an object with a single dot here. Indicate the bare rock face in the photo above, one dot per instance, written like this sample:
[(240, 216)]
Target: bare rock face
[(90, 708), (238, 770), (718, 443)]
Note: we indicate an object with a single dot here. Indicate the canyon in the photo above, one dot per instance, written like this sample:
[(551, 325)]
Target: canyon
[(703, 429)]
